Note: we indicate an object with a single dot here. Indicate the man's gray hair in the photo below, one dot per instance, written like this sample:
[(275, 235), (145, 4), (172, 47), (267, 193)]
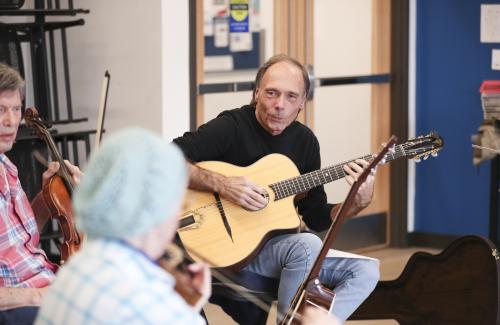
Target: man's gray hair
[(11, 80), (277, 59)]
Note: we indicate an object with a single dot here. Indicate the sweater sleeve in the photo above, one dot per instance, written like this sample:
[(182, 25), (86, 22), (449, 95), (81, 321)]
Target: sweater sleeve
[(314, 208), (210, 141)]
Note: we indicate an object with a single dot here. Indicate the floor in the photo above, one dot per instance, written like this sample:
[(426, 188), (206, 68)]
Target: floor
[(392, 262)]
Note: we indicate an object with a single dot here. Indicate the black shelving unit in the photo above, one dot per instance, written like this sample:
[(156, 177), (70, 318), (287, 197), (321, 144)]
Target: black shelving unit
[(51, 89)]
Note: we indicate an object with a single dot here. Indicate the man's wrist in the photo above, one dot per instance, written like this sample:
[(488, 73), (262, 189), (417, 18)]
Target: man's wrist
[(37, 296), (220, 183)]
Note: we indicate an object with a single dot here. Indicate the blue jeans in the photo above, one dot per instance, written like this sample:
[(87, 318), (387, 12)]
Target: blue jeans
[(18, 316), (290, 257)]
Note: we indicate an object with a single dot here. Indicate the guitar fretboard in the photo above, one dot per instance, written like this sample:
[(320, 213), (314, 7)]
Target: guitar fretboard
[(305, 182)]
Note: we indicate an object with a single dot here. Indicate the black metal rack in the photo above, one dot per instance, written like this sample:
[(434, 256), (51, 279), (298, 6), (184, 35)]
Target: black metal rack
[(43, 12), (51, 89)]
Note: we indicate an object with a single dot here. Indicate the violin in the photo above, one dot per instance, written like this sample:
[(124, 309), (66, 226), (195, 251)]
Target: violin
[(54, 200), (172, 262)]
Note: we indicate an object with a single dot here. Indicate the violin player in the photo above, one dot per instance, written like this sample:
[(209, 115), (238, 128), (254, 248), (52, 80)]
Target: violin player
[(25, 271), (127, 204)]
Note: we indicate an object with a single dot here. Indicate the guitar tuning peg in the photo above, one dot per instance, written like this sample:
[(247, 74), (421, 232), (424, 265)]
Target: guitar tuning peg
[(383, 161), (392, 150), (426, 156), (434, 154), (417, 160), (373, 171)]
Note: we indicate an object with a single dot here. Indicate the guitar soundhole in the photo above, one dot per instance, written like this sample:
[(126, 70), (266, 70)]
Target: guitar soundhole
[(266, 196), (187, 221)]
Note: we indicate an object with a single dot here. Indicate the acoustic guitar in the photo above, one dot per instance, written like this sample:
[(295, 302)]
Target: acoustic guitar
[(227, 235)]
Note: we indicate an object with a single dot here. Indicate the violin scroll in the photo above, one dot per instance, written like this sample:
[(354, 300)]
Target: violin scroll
[(33, 121)]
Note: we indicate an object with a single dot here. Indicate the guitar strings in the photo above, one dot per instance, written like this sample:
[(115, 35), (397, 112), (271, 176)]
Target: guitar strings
[(217, 206)]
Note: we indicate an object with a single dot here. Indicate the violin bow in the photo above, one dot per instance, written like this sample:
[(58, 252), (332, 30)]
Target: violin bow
[(102, 109)]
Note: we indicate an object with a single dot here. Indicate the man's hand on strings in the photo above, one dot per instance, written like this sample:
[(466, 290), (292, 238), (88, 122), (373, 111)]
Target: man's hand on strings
[(244, 192), (365, 192), (53, 168)]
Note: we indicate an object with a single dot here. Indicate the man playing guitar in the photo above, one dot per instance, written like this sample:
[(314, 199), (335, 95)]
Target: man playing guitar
[(268, 125)]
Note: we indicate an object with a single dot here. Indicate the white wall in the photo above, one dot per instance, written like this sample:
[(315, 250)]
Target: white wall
[(175, 66), (342, 114), (145, 48), (342, 37)]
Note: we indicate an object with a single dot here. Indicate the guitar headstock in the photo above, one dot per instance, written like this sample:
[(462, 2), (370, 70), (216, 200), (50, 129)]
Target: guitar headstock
[(423, 146)]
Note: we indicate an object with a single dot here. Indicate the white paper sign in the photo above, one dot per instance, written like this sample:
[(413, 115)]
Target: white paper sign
[(221, 32), (495, 59), (239, 42), (490, 23)]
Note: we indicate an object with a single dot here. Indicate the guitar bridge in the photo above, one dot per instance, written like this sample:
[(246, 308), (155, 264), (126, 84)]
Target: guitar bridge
[(190, 221)]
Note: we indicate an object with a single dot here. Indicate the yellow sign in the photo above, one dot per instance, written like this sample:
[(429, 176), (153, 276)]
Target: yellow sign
[(239, 10)]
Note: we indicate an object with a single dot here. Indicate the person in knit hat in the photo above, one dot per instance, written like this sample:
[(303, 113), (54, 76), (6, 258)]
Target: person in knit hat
[(127, 204)]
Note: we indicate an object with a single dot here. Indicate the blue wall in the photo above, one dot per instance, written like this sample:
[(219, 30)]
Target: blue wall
[(452, 195)]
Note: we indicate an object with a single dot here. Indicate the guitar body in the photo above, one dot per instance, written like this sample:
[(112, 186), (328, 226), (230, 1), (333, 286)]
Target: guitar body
[(458, 286), (211, 242)]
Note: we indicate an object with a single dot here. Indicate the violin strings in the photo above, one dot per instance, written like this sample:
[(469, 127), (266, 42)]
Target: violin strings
[(486, 148)]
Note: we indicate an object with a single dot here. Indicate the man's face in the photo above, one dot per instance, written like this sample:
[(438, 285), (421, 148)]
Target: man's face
[(10, 116), (280, 97)]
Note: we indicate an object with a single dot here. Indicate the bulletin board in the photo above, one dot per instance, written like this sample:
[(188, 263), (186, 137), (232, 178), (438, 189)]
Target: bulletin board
[(232, 34), (241, 60)]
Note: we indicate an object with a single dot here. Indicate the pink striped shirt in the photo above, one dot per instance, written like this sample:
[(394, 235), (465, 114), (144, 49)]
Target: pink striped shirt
[(22, 262)]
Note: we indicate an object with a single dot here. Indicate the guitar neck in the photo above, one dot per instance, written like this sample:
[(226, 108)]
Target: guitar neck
[(305, 182)]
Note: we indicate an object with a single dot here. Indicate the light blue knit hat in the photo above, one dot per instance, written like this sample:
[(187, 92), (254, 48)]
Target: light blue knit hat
[(134, 182)]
